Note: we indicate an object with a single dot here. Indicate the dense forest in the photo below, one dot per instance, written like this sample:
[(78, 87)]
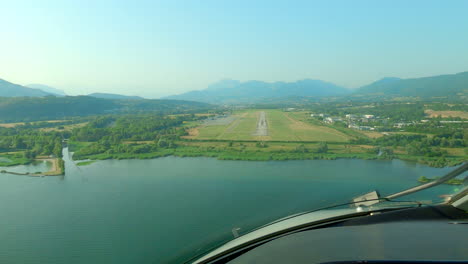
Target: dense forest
[(33, 142), (454, 140), (115, 134)]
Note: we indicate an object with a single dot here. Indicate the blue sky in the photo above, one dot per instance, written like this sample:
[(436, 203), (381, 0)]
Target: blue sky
[(157, 48)]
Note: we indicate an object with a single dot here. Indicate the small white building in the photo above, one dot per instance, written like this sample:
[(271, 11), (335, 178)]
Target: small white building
[(331, 120), (402, 124), (351, 116), (366, 128), (319, 115)]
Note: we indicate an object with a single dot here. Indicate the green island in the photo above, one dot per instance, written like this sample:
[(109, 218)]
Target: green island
[(84, 163), (329, 130)]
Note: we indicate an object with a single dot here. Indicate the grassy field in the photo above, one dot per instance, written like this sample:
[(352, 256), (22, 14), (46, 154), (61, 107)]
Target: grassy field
[(282, 126), (351, 133), (64, 127), (432, 113), (10, 125), (456, 151), (75, 145), (303, 131)]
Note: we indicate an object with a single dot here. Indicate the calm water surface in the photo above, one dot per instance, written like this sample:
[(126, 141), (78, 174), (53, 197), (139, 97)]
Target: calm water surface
[(146, 211)]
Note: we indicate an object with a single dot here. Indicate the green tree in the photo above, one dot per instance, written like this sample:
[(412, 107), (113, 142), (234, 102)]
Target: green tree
[(322, 148), (162, 143)]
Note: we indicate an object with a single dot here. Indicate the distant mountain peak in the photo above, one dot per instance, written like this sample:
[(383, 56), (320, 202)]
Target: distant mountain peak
[(389, 79), (223, 84), (47, 89), (8, 89)]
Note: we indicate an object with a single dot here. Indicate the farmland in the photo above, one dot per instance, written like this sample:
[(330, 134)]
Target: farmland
[(444, 114)]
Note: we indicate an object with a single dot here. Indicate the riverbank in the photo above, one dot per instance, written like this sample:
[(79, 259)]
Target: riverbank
[(56, 169), (262, 155), (84, 163), (8, 159)]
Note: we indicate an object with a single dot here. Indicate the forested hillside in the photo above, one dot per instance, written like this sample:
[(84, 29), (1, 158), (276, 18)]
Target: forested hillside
[(48, 108), (451, 86), (28, 109), (47, 89), (8, 89)]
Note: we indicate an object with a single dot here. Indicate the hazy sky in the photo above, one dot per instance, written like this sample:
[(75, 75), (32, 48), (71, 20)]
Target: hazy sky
[(156, 48)]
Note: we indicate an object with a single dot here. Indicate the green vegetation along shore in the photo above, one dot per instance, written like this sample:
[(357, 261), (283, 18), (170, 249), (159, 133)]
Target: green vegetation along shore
[(455, 181), (291, 136), (57, 168), (253, 151), (84, 163), (230, 134)]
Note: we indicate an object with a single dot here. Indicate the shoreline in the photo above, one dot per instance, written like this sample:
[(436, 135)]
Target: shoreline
[(57, 170), (272, 156), (54, 170)]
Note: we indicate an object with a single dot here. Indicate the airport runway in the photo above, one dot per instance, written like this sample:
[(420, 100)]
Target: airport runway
[(262, 125)]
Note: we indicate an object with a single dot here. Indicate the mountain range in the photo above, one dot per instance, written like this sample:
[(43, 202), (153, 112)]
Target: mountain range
[(8, 89), (454, 86), (114, 96), (47, 89), (434, 86), (232, 91)]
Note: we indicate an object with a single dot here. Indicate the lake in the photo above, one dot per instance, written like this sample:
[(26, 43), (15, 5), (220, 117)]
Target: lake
[(147, 211)]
